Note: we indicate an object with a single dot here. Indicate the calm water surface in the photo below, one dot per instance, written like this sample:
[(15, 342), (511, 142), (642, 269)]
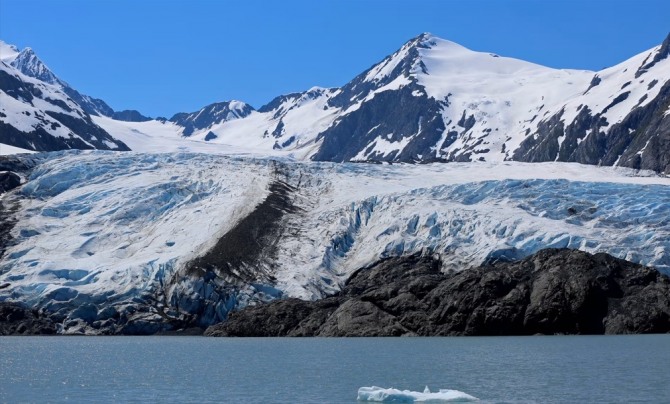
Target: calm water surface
[(594, 369)]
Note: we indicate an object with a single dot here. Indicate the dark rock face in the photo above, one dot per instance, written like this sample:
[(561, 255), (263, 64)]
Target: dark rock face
[(390, 116), (12, 166), (8, 181), (551, 292), (641, 140), (276, 102), (210, 115), (92, 106), (129, 115), (18, 320), (662, 53)]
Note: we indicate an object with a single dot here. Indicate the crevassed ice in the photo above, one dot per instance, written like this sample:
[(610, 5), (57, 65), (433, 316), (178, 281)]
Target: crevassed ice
[(106, 228)]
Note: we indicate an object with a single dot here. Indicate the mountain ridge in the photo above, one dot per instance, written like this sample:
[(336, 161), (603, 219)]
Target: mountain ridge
[(435, 100)]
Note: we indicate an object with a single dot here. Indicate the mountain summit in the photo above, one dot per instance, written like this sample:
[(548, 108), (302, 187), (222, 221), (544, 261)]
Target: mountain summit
[(29, 64)]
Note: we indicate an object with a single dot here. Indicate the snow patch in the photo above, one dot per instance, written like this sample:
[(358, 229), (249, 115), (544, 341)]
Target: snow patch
[(382, 147), (6, 149), (8, 52)]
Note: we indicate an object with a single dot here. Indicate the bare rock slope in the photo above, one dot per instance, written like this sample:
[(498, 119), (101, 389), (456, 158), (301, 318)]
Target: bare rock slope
[(555, 291)]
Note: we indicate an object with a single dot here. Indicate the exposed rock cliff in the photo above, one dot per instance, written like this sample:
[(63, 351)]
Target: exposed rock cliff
[(552, 292)]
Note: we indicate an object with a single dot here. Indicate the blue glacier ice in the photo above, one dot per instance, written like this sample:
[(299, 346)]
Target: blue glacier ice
[(114, 233)]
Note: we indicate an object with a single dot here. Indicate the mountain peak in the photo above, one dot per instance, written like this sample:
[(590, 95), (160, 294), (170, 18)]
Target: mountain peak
[(665, 47), (424, 36), (426, 40), (662, 53), (212, 114), (29, 64)]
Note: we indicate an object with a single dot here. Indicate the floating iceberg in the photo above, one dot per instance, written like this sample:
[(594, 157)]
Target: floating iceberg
[(382, 395)]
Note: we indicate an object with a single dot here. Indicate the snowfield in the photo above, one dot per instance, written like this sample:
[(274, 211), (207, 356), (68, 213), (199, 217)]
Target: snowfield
[(109, 231), (6, 149)]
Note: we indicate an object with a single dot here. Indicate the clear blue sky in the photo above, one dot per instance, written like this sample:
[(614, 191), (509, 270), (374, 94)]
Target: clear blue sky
[(162, 57)]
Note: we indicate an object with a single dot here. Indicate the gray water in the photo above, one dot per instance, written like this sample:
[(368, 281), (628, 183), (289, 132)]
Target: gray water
[(589, 369)]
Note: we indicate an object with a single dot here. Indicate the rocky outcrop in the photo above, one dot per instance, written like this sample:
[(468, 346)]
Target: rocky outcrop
[(11, 169), (390, 117), (639, 141), (211, 115), (18, 320), (551, 292), (130, 115)]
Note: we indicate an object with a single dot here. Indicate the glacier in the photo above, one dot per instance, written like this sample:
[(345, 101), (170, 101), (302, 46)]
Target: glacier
[(111, 242)]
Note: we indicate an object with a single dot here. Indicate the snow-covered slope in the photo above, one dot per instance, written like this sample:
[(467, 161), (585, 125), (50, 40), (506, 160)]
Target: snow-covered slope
[(166, 137), (436, 100), (37, 115), (287, 125), (25, 66), (620, 119), (28, 63), (7, 150), (128, 242)]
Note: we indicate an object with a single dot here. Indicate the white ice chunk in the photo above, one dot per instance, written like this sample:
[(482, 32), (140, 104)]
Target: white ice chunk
[(382, 395)]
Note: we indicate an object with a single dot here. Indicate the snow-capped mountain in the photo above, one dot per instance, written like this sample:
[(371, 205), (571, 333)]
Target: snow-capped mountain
[(436, 100), (212, 114), (428, 100), (27, 62), (432, 100), (136, 243), (36, 115), (25, 67)]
